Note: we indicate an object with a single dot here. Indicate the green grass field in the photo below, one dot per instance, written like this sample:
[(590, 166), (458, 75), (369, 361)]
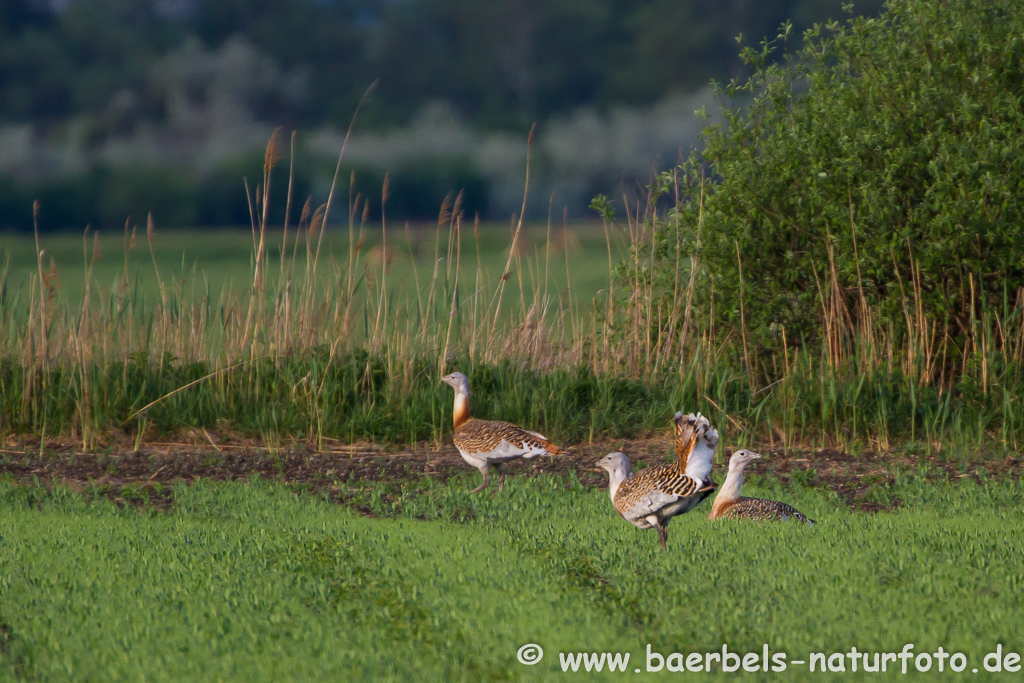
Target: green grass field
[(222, 258), (248, 581)]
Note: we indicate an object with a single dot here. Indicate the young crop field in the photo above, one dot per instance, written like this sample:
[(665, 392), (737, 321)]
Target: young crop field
[(220, 260), (249, 581)]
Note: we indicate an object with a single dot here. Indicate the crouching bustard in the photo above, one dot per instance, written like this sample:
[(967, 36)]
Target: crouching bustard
[(489, 443), (652, 496), (730, 505)]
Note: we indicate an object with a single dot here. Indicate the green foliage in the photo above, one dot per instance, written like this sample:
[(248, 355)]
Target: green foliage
[(883, 159), (106, 197), (245, 581), (503, 63), (386, 399), (354, 397)]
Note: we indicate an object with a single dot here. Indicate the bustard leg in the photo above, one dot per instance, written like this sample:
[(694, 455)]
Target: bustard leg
[(487, 480), (501, 478), (662, 535)]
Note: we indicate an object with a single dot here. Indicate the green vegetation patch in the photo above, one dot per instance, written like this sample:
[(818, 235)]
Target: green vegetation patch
[(877, 166), (248, 581)]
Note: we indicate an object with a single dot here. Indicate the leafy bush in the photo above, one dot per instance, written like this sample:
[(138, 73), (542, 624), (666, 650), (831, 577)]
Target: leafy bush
[(884, 160)]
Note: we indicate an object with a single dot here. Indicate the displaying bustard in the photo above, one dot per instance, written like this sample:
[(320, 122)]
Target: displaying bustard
[(729, 504), (696, 464), (652, 496), (488, 443)]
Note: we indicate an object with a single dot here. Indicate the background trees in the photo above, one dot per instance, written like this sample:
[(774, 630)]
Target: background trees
[(112, 107), (502, 63)]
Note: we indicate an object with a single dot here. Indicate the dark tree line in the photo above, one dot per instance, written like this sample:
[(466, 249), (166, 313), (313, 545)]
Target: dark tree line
[(501, 62)]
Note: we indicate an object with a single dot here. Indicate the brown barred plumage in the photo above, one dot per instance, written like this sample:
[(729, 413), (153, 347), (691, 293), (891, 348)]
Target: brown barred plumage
[(663, 478), (760, 510), (482, 436), (730, 505), (686, 437), (489, 443)]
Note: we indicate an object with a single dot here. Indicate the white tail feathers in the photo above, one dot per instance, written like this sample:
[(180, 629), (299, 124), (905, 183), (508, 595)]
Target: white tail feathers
[(698, 466)]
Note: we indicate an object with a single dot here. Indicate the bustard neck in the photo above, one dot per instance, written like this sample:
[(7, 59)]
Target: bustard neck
[(731, 488), (615, 479), (461, 411)]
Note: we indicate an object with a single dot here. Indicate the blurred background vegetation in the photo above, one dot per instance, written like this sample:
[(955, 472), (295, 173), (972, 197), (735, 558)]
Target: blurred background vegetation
[(838, 263), (111, 108)]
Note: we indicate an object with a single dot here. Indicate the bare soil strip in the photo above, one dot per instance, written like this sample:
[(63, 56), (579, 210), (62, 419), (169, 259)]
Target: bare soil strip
[(122, 475)]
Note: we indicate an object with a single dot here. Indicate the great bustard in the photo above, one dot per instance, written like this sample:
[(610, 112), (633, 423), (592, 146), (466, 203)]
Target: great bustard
[(652, 496), (730, 505), (488, 443)]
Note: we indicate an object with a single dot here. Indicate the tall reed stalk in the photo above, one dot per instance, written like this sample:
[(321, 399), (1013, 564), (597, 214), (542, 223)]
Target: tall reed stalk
[(322, 350)]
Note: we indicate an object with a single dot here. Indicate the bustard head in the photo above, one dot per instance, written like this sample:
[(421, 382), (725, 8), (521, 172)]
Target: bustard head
[(458, 382), (741, 457), (616, 464)]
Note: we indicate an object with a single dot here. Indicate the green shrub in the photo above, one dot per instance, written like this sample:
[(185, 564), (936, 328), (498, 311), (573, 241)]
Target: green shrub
[(883, 159)]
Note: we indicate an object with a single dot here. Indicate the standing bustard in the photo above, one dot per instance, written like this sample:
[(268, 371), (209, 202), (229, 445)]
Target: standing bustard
[(730, 505), (488, 443), (654, 495)]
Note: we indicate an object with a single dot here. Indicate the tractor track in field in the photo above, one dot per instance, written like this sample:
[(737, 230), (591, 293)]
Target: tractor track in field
[(145, 476)]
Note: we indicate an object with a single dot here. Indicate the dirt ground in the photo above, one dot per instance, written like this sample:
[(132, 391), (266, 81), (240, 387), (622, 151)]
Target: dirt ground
[(121, 474)]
